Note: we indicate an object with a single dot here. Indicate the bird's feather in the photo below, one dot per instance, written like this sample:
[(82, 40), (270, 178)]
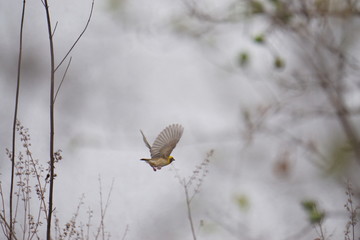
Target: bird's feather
[(166, 141), (145, 140)]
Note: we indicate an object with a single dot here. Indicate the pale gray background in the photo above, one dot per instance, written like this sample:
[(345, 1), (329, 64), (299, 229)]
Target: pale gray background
[(132, 70)]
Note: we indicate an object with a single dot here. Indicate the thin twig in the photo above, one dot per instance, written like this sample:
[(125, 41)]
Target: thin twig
[(342, 113), (125, 232), (40, 193), (88, 224), (188, 200), (103, 209), (196, 179), (53, 33), (26, 199), (31, 164), (5, 231), (72, 229), (101, 227), (52, 125), (41, 188), (17, 204), (77, 40), (11, 232), (6, 225), (62, 80), (321, 233)]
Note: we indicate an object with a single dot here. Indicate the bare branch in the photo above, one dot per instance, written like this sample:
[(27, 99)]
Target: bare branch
[(196, 179), (2, 218), (11, 229), (52, 125), (103, 209), (53, 33), (188, 200), (125, 232), (81, 34), (62, 80)]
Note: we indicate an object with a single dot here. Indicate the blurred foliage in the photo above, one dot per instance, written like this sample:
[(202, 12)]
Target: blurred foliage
[(282, 12), (279, 63), (300, 36), (242, 201), (340, 153), (243, 59), (114, 5), (314, 215), (259, 38), (256, 7)]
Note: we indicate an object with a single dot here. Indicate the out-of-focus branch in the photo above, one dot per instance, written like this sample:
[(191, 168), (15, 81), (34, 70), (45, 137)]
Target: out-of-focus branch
[(342, 114), (192, 186), (188, 201), (332, 89)]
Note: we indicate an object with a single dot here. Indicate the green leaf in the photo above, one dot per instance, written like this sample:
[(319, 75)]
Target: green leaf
[(259, 38), (279, 63), (309, 205), (314, 215), (242, 202), (256, 7), (243, 59)]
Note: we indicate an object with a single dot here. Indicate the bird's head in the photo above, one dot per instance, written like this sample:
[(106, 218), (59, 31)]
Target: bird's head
[(171, 159)]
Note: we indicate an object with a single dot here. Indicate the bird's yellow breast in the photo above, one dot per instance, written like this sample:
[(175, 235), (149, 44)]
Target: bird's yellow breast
[(159, 162)]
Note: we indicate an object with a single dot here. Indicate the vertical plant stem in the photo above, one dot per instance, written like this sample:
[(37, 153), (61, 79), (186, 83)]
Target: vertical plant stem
[(103, 209), (11, 226), (188, 201), (52, 83)]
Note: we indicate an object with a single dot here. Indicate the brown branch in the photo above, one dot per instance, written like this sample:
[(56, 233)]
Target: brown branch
[(333, 90), (125, 232), (4, 222), (196, 178), (11, 227), (342, 115), (52, 101), (2, 218), (188, 201), (62, 80), (103, 209), (80, 35), (52, 127)]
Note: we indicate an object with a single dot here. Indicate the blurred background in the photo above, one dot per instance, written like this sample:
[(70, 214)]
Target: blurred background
[(271, 87)]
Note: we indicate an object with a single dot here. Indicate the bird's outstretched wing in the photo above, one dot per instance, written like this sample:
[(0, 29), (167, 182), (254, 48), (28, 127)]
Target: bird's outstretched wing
[(166, 141), (145, 140)]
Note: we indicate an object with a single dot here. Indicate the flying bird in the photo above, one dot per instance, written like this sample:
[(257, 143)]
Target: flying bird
[(163, 145)]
